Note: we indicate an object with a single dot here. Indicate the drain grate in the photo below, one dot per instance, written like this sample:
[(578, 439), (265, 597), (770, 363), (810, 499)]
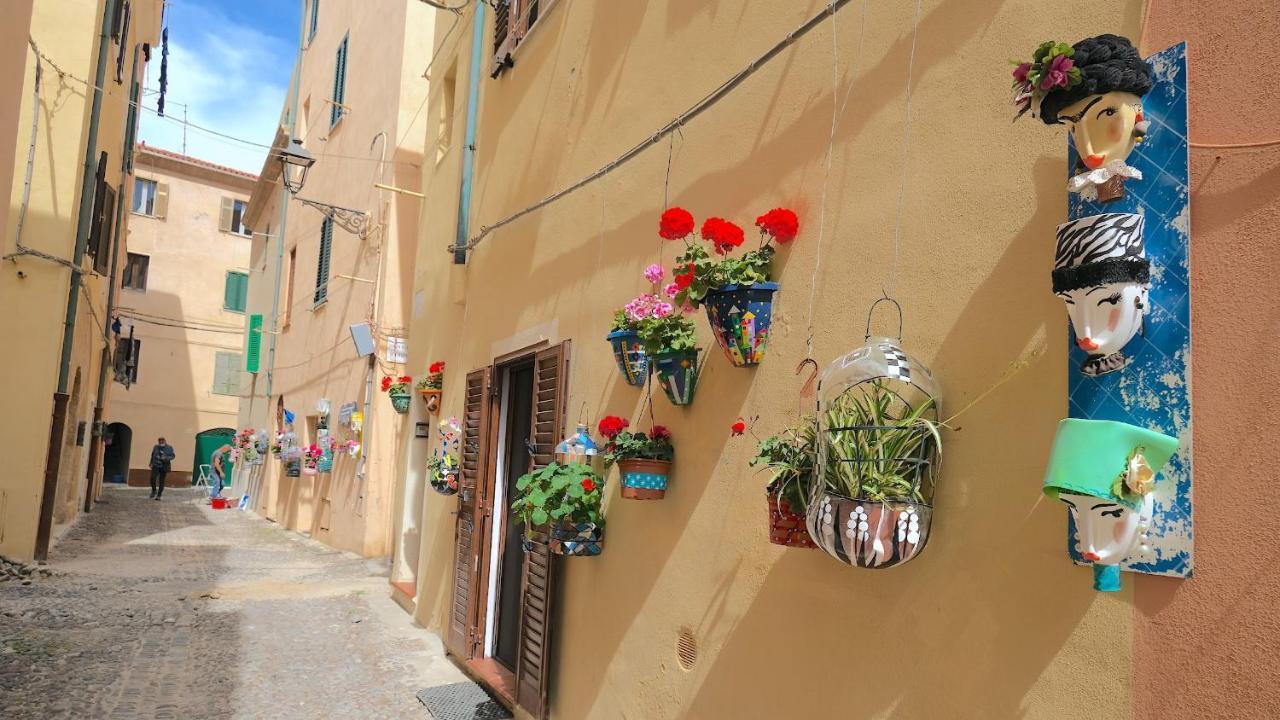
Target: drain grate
[(462, 701), (686, 649)]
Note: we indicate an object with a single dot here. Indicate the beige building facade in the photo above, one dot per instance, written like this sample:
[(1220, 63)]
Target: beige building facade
[(67, 163), (690, 612), (182, 303), (318, 269)]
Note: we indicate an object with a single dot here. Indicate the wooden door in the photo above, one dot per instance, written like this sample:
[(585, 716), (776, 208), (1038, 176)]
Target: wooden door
[(465, 612)]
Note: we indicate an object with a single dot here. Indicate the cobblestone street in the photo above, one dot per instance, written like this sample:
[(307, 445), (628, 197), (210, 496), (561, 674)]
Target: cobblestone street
[(172, 610)]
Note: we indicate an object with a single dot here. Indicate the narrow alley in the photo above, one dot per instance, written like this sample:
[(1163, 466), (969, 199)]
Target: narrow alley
[(172, 610)]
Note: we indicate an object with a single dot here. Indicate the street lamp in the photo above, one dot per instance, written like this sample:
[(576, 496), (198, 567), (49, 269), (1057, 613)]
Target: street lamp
[(294, 162)]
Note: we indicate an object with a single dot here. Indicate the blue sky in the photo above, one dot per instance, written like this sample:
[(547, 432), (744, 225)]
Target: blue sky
[(229, 64)]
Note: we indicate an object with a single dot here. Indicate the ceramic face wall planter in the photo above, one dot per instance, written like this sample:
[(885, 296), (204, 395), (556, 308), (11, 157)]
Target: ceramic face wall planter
[(1095, 88), (1102, 273), (1105, 472)]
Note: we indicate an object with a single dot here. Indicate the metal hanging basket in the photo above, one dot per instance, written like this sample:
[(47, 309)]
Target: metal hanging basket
[(878, 448)]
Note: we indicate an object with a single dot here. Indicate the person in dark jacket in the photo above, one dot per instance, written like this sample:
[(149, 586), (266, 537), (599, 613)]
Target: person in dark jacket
[(161, 463)]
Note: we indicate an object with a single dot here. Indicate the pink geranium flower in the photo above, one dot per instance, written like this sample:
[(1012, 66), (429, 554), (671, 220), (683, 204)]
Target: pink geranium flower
[(653, 273)]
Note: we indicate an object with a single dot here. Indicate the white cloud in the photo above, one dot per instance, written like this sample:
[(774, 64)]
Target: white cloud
[(232, 78)]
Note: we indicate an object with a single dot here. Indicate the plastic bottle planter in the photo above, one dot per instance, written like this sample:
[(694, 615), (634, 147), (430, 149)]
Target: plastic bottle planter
[(740, 317), (580, 540), (325, 462), (644, 479), (786, 527), (430, 396), (445, 481), (677, 374), (632, 360), (400, 401), (292, 468)]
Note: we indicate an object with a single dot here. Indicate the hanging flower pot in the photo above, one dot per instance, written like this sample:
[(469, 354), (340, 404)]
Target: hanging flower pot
[(644, 479), (400, 402), (431, 398), (785, 526), (583, 539), (879, 442), (398, 390), (740, 317), (643, 459), (677, 373), (432, 386), (442, 467), (629, 353)]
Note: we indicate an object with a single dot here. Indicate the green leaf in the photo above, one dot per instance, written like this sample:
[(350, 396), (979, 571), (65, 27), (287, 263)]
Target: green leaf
[(539, 517), (575, 490)]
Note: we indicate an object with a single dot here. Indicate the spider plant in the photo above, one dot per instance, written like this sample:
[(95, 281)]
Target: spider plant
[(876, 444), (789, 456)]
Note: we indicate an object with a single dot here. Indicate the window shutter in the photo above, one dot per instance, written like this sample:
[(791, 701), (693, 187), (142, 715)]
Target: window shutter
[(315, 19), (235, 291), (102, 254), (322, 264), (504, 35), (131, 125), (224, 215), (253, 346), (161, 205), (339, 83), (550, 378), (477, 417)]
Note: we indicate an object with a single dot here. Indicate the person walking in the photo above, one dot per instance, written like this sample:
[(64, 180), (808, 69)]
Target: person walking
[(219, 460), (161, 463)]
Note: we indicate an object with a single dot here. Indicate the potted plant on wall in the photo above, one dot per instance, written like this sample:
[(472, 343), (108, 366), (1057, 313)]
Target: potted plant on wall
[(624, 333), (789, 456), (668, 338), (737, 291), (565, 501), (431, 386), (443, 466), (311, 459), (644, 460), (398, 389)]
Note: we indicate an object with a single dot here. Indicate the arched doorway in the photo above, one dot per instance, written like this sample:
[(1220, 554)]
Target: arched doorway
[(207, 442), (115, 458)]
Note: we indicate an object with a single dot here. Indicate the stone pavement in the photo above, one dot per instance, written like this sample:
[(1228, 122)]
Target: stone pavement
[(173, 610)]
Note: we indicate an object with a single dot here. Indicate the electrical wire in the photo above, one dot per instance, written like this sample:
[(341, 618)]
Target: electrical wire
[(131, 312), (693, 111), (180, 325)]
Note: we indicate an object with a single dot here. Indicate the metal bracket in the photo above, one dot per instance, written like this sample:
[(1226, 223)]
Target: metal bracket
[(356, 222)]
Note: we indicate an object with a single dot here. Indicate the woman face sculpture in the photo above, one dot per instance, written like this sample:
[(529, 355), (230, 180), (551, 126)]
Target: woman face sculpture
[(1106, 317), (1104, 127), (1108, 532)]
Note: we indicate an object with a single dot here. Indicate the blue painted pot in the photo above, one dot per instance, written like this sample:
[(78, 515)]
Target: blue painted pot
[(740, 317), (630, 355), (644, 479), (677, 373), (580, 540)]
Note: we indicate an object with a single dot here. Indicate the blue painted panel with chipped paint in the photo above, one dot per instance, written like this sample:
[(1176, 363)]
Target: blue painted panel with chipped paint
[(1154, 391)]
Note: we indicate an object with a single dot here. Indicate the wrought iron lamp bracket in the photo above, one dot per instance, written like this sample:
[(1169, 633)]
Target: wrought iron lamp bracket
[(356, 222)]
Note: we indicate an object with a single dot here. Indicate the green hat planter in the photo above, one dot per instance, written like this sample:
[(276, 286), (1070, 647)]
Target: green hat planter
[(1105, 472)]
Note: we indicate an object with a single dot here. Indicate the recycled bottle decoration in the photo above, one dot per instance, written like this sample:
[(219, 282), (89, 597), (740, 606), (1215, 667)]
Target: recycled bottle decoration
[(879, 442), (1105, 471), (1095, 87), (443, 466), (1102, 273)]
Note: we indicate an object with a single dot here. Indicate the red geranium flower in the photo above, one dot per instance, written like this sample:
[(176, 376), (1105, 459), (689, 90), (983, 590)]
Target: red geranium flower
[(659, 432), (685, 279), (588, 484), (676, 223), (386, 383), (406, 379), (436, 367), (738, 428), (723, 234), (780, 223), (611, 425)]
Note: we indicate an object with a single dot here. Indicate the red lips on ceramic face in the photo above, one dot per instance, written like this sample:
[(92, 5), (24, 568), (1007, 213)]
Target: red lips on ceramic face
[(1092, 556), (1095, 161), (1086, 344)]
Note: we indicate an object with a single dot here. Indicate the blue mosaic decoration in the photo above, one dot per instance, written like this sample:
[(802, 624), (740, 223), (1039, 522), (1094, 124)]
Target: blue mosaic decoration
[(581, 540), (1154, 390), (644, 481), (630, 356), (677, 374), (740, 317)]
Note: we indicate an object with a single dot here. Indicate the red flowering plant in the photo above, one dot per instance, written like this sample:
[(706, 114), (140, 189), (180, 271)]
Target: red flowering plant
[(697, 271), (396, 386), (434, 379), (622, 444), (569, 494)]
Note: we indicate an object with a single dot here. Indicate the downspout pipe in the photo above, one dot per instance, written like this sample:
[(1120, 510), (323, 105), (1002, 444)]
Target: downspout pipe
[(469, 141), (86, 199)]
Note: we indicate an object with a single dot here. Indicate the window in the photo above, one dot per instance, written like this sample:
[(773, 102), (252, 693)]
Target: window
[(288, 289), (226, 373), (337, 109), (150, 198), (397, 350), (135, 272), (512, 20), (315, 20), (235, 291), (123, 39), (231, 217), (125, 368), (322, 263)]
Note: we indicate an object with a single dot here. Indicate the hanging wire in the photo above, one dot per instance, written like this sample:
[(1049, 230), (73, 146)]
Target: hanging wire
[(906, 146)]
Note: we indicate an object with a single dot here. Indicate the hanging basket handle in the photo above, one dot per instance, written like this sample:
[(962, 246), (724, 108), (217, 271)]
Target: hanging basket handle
[(872, 311)]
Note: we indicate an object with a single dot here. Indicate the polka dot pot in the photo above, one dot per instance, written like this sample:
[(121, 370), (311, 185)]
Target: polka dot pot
[(644, 479)]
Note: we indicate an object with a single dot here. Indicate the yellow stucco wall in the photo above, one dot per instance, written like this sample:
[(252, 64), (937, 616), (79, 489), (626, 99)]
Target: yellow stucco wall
[(352, 507), (67, 33), (990, 621), (189, 258)]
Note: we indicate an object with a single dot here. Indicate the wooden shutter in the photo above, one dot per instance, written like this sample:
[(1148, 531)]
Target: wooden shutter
[(105, 233), (339, 83), (160, 208), (322, 263), (504, 36), (224, 214), (537, 589), (477, 417)]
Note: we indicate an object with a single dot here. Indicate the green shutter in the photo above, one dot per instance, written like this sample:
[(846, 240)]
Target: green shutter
[(315, 19), (322, 265), (254, 345), (339, 83), (235, 292)]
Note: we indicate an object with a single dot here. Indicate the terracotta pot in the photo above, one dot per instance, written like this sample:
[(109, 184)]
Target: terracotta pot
[(786, 527), (644, 479), (431, 397)]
